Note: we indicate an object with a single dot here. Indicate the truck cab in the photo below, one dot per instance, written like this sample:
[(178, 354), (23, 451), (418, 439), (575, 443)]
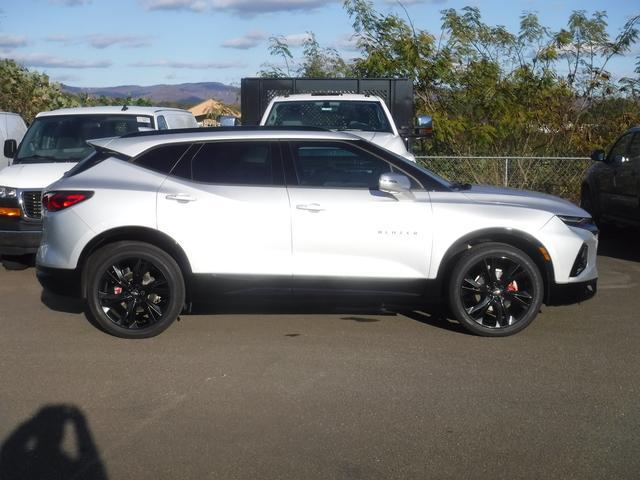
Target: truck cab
[(366, 116)]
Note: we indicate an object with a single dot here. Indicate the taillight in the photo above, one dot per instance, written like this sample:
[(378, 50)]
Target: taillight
[(54, 201)]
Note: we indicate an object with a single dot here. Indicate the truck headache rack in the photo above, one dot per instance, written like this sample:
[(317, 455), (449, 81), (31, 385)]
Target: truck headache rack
[(397, 93)]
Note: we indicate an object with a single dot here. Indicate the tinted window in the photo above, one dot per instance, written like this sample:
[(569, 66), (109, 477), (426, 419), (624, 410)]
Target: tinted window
[(162, 123), (162, 159), (333, 114), (634, 148), (242, 163), (326, 164), (63, 138), (619, 151)]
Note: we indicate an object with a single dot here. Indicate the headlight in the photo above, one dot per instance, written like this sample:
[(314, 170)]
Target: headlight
[(580, 222), (8, 192)]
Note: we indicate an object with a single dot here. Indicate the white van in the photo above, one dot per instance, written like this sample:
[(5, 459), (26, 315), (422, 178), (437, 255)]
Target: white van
[(12, 127), (52, 145)]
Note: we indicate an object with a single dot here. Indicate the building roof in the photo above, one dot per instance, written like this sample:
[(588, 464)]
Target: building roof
[(212, 108)]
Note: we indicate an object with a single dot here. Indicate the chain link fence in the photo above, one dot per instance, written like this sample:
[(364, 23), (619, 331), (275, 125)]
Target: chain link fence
[(561, 176)]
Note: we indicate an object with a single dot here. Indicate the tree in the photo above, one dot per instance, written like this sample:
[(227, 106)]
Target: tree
[(28, 93)]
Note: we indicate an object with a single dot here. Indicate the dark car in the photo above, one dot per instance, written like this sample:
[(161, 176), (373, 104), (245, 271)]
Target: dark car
[(611, 188)]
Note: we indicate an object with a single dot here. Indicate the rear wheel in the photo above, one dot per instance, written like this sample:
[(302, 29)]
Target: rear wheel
[(495, 290), (134, 289)]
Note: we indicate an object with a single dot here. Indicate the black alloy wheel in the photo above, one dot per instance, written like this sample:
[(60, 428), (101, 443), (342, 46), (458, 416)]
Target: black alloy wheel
[(495, 290), (134, 290)]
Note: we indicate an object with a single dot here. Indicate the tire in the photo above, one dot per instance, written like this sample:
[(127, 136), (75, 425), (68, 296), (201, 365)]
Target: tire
[(484, 301), (16, 262), (133, 289)]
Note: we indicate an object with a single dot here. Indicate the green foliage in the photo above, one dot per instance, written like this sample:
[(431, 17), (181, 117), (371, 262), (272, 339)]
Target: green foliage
[(28, 93), (489, 90)]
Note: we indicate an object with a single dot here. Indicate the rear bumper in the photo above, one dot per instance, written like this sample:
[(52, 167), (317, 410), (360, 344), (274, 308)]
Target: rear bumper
[(59, 281), (19, 242), (568, 293)]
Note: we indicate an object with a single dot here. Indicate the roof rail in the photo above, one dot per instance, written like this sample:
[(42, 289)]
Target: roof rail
[(242, 128)]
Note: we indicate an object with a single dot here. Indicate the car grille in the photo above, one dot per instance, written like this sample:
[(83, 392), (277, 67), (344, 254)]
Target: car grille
[(32, 204)]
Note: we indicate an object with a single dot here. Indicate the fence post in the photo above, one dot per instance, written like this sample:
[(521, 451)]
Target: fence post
[(506, 172)]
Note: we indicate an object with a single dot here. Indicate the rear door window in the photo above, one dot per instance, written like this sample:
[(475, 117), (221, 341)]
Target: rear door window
[(235, 163)]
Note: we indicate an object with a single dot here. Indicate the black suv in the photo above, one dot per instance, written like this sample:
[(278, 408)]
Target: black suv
[(611, 188)]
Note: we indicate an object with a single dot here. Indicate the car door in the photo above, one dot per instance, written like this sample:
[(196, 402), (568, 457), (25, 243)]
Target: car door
[(344, 227), (628, 180), (611, 197), (228, 208)]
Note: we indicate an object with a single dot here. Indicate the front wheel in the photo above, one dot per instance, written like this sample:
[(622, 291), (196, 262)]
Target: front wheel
[(495, 290), (134, 290)]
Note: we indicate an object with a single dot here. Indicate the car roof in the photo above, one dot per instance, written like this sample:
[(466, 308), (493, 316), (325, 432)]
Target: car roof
[(134, 144), (320, 96), (121, 110)]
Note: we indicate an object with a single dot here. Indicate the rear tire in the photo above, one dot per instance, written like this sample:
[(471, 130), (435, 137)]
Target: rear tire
[(495, 290), (133, 289)]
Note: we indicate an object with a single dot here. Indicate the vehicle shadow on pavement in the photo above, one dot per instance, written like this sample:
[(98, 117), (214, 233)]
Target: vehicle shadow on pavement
[(59, 303), (432, 315), (618, 242), (38, 449)]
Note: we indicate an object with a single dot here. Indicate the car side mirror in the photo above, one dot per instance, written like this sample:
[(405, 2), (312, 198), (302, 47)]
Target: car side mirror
[(424, 126), (396, 184), (227, 121), (10, 148), (598, 155)]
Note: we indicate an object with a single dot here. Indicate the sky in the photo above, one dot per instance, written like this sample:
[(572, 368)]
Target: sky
[(101, 43)]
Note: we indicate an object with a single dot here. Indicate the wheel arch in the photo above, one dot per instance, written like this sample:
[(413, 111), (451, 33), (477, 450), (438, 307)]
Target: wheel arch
[(136, 234), (516, 238)]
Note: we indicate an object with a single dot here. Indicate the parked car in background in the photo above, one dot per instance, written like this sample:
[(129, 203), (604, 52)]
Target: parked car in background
[(301, 213), (54, 142), (611, 188), (12, 127)]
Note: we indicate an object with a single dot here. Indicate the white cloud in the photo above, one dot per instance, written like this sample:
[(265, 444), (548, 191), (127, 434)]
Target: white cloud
[(348, 42), (250, 7), (296, 39), (44, 60), (12, 41), (239, 7), (193, 5), (71, 3), (413, 2), (102, 41), (188, 65), (250, 40)]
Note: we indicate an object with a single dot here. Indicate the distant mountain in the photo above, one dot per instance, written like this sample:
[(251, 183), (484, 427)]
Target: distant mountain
[(186, 93)]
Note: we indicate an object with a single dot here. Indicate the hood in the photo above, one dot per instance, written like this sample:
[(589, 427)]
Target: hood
[(523, 198), (33, 175), (386, 140)]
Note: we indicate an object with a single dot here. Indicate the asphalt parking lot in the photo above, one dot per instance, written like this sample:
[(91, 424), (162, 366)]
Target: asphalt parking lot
[(344, 395)]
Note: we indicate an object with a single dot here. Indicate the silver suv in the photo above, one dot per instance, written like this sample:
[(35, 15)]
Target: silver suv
[(152, 222)]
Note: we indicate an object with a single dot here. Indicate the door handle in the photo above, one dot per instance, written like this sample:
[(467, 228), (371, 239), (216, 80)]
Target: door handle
[(181, 197), (311, 207)]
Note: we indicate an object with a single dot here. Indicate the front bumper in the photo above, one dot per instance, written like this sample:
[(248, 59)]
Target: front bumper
[(569, 293), (19, 242)]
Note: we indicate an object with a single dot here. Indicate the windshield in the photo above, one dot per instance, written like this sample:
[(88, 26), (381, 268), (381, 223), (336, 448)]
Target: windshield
[(332, 114), (63, 138)]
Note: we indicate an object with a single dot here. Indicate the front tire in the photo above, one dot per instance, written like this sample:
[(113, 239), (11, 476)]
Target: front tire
[(134, 289), (495, 290)]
